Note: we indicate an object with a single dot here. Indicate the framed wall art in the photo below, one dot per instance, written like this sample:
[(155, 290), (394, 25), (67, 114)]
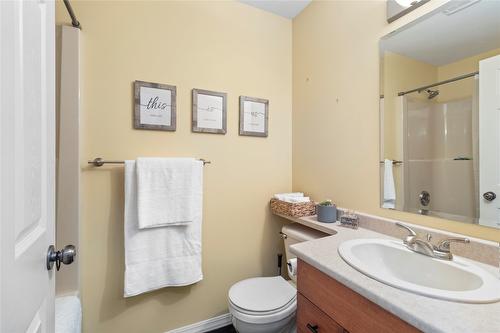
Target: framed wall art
[(209, 112), (254, 116), (155, 106)]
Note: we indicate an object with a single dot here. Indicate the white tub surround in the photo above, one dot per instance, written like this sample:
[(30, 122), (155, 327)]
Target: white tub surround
[(68, 310), (68, 153)]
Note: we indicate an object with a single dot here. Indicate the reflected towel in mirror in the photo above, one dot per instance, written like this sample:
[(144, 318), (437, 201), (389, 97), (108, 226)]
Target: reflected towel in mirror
[(389, 188)]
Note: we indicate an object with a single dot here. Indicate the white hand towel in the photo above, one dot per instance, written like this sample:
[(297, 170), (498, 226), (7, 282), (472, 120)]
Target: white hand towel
[(165, 191), (281, 196), (389, 188), (296, 199), (160, 257)]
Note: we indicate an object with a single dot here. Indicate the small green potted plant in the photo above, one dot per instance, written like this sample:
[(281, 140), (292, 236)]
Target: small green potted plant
[(326, 211)]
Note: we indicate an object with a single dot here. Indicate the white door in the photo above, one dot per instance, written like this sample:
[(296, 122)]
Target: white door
[(27, 145), (489, 141)]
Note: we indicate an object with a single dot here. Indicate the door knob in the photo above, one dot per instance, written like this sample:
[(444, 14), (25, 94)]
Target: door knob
[(425, 198), (489, 196), (65, 256)]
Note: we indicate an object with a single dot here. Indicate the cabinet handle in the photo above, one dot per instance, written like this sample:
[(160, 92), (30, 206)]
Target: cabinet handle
[(312, 328)]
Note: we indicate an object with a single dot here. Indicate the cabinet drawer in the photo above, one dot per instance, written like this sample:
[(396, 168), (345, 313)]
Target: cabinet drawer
[(310, 319), (349, 309)]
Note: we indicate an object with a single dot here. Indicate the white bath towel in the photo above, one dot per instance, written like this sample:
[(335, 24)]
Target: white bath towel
[(160, 257), (389, 188), (165, 191)]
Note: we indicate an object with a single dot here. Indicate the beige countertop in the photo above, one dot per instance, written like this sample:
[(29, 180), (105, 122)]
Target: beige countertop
[(425, 313)]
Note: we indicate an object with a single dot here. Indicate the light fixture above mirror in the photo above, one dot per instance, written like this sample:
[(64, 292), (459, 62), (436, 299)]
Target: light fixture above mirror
[(399, 8)]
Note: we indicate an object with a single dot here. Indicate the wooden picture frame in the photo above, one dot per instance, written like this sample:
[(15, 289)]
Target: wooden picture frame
[(155, 106), (254, 116), (209, 112)]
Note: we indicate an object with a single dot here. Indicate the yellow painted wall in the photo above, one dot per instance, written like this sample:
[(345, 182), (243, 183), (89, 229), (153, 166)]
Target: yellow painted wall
[(463, 88), (335, 107), (400, 74), (221, 46)]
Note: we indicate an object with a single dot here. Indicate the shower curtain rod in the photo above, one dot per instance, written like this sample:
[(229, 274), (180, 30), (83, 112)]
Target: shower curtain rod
[(461, 77), (74, 21)]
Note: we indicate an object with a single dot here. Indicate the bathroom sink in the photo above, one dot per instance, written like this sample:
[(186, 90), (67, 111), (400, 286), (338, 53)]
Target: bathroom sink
[(390, 262)]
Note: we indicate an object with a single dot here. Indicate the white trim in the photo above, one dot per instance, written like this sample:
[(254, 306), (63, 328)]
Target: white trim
[(205, 325), (68, 182)]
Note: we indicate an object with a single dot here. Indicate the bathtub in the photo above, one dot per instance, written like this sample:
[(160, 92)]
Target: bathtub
[(68, 314)]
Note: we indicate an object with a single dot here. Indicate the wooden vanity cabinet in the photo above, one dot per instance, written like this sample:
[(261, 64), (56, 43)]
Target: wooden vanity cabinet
[(324, 305), (311, 319)]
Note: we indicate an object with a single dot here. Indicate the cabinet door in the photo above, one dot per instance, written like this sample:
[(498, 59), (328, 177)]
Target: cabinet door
[(348, 308), (310, 319)]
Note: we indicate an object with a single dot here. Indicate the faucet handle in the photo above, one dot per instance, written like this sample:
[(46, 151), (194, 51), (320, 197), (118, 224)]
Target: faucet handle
[(412, 235), (404, 226), (444, 245)]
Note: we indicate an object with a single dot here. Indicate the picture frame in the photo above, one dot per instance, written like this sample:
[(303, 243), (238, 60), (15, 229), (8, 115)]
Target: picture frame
[(254, 116), (155, 106), (209, 112)]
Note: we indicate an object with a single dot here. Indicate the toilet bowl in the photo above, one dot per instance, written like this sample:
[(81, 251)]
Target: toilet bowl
[(268, 304), (263, 304)]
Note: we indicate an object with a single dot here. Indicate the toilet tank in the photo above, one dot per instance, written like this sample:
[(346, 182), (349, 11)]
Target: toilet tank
[(297, 233)]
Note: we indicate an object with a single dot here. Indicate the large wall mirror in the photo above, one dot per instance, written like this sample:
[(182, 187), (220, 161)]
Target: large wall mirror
[(440, 114)]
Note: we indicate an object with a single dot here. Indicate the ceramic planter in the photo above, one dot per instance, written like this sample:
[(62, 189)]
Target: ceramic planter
[(327, 214)]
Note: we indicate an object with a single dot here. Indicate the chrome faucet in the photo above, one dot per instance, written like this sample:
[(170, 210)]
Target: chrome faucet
[(425, 247)]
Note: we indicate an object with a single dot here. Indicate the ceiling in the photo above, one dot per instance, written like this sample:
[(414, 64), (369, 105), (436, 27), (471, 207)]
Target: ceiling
[(440, 39), (285, 8)]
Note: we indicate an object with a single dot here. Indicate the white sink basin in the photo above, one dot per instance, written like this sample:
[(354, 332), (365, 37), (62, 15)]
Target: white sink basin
[(390, 262)]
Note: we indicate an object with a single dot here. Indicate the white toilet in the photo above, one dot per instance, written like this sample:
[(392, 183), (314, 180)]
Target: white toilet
[(268, 304)]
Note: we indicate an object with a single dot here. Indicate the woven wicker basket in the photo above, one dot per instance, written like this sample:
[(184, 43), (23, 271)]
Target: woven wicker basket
[(297, 209)]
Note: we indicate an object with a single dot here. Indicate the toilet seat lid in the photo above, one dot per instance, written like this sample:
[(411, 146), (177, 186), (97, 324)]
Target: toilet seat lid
[(262, 294)]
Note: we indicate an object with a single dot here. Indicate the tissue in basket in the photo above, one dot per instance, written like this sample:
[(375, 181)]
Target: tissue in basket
[(296, 209)]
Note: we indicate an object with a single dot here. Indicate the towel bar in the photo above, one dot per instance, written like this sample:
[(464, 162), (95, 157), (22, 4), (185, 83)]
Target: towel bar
[(99, 161), (395, 162)]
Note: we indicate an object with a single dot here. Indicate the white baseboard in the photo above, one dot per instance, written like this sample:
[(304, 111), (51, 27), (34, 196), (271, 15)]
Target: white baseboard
[(205, 325)]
